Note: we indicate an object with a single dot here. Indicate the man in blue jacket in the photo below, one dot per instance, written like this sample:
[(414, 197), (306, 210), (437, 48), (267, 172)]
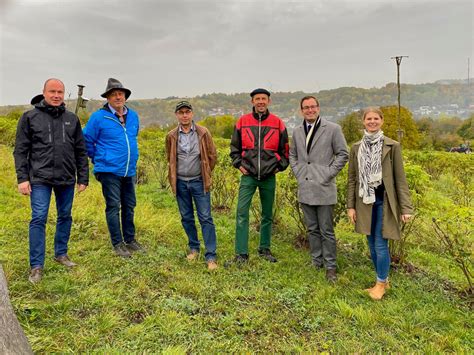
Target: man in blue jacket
[(111, 140)]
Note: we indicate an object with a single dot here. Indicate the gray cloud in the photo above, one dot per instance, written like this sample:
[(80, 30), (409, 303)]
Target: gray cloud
[(185, 48)]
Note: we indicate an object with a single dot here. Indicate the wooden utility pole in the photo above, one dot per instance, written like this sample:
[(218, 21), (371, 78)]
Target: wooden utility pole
[(398, 60), (81, 101), (468, 67)]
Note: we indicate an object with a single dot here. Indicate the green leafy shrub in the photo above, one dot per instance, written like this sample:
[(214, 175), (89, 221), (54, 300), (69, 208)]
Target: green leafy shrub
[(152, 165), (8, 126), (419, 184), (288, 188), (225, 181), (453, 230), (220, 126)]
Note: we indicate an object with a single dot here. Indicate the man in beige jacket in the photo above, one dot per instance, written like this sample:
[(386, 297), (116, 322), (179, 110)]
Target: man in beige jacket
[(191, 158)]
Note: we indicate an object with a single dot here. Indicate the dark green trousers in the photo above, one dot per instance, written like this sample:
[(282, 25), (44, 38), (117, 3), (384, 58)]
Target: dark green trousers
[(248, 186)]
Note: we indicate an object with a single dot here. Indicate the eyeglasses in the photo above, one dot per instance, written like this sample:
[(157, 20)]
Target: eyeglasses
[(313, 107), (187, 112)]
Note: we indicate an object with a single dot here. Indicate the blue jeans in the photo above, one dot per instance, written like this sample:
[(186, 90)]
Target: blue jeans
[(186, 192), (40, 198), (378, 246), (120, 202)]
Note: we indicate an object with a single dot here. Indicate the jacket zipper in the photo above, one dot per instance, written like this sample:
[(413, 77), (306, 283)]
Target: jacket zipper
[(64, 135), (49, 131), (128, 143), (259, 132)]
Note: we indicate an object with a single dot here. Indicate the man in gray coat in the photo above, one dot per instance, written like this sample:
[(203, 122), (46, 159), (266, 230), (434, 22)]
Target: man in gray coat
[(318, 152)]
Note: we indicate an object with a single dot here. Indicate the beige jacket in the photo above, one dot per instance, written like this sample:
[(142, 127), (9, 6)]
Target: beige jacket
[(207, 150), (396, 198)]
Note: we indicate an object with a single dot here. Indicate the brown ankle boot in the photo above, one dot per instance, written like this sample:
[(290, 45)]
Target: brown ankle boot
[(369, 289), (377, 292), (387, 286)]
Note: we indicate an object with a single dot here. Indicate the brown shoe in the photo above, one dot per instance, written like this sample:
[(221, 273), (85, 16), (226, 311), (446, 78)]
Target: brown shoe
[(35, 275), (64, 260), (211, 265), (377, 292), (387, 286), (193, 255), (331, 275)]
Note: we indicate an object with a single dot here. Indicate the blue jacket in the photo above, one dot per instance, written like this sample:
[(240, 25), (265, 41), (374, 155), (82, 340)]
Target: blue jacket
[(112, 147)]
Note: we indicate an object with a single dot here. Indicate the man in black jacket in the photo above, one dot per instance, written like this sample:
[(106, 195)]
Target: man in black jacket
[(49, 153)]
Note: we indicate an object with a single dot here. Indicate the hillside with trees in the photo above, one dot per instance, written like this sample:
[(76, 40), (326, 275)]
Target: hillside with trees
[(452, 98)]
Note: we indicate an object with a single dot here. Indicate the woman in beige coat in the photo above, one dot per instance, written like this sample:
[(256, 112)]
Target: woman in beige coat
[(378, 198)]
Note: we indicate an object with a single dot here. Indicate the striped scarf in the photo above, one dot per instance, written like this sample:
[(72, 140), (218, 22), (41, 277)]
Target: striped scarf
[(370, 165), (311, 133)]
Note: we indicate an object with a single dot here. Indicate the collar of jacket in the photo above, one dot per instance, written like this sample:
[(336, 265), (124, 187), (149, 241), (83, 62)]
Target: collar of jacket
[(107, 108), (199, 130), (317, 123), (193, 127), (321, 122), (387, 144), (257, 117), (53, 111), (386, 141)]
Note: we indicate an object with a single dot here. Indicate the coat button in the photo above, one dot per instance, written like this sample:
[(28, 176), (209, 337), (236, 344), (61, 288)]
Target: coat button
[(306, 178), (309, 163)]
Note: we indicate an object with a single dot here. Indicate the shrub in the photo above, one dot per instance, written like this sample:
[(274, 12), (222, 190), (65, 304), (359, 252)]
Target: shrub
[(419, 184), (8, 126), (288, 187), (225, 180), (453, 230), (152, 163), (340, 209)]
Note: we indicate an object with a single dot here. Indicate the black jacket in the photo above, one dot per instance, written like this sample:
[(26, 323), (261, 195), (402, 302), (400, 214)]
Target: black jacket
[(50, 147)]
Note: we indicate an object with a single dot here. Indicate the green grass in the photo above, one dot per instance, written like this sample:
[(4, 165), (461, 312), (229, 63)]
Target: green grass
[(159, 302)]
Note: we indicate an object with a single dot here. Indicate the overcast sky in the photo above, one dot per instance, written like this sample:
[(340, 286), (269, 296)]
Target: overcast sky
[(188, 48)]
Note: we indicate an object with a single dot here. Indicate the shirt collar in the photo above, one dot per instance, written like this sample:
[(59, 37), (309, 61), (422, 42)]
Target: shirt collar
[(191, 130), (125, 109), (312, 123)]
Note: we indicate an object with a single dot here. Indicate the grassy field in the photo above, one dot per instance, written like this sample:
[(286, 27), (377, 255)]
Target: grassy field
[(159, 302)]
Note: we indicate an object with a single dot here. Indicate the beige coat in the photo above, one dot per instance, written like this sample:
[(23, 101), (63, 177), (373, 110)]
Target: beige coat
[(396, 198), (207, 150)]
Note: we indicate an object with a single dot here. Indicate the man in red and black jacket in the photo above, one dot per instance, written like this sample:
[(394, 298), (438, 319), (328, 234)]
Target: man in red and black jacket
[(259, 149)]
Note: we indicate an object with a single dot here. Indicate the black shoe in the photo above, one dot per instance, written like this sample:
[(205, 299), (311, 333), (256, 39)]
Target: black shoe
[(121, 250), (134, 246), (331, 275), (239, 259), (267, 255), (317, 265)]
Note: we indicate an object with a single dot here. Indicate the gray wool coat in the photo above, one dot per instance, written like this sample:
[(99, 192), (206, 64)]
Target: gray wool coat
[(397, 199), (316, 172)]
